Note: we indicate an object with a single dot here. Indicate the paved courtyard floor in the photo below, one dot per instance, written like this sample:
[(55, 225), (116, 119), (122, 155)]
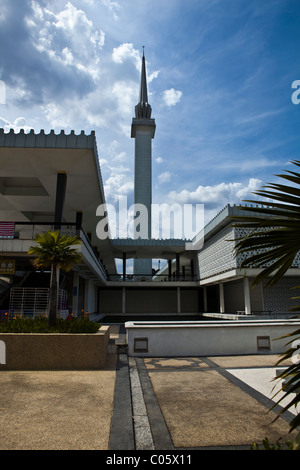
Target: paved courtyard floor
[(143, 404)]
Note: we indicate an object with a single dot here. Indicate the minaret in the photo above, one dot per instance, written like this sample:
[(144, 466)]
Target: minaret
[(143, 130)]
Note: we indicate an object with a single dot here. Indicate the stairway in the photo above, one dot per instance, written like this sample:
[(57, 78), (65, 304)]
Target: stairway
[(118, 340)]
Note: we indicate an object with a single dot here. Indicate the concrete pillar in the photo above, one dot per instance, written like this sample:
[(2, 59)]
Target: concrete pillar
[(123, 299), (247, 296), (177, 265), (75, 294), (78, 222), (192, 269), (124, 266), (169, 269), (222, 299), (89, 297), (61, 186), (178, 300)]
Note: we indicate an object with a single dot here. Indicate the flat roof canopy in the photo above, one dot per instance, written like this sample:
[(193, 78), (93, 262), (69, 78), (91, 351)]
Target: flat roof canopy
[(154, 249), (29, 167)]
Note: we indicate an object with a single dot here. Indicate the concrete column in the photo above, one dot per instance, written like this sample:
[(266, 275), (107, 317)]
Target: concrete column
[(169, 268), (78, 222), (177, 265), (123, 299), (75, 294), (205, 305), (192, 269), (178, 300), (61, 186), (89, 296), (247, 296), (124, 266), (222, 299)]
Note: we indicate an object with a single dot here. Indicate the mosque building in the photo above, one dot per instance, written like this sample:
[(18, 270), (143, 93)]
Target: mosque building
[(54, 181)]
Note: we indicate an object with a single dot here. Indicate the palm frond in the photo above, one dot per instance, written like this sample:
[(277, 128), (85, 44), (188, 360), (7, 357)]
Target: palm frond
[(272, 243), (53, 248)]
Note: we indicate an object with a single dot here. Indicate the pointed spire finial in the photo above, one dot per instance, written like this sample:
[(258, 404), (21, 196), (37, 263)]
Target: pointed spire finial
[(143, 87), (143, 108)]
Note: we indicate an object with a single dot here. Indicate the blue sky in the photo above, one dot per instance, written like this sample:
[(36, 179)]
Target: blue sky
[(219, 77)]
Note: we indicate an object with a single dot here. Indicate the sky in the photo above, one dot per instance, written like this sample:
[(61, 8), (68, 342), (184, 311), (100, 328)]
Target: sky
[(220, 76)]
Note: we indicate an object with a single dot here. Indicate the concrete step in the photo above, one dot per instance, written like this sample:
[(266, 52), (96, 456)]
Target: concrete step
[(118, 345)]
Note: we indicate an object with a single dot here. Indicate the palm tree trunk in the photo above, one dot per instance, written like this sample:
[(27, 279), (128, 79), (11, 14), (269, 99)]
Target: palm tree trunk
[(52, 297)]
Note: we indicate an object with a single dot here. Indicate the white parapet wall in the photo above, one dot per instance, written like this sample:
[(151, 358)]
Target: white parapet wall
[(208, 338)]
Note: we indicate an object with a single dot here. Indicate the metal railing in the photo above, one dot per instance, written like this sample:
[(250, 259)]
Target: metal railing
[(34, 301), (153, 277)]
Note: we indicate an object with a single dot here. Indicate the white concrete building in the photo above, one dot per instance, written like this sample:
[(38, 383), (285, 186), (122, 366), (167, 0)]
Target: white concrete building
[(50, 181), (219, 269)]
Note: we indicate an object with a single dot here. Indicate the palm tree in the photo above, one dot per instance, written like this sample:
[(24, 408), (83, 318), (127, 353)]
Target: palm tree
[(272, 244), (57, 252)]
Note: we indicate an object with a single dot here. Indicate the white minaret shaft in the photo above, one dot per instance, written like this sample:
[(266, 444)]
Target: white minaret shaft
[(143, 130)]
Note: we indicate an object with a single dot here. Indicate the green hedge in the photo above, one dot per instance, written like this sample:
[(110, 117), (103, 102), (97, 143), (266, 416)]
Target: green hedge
[(20, 324)]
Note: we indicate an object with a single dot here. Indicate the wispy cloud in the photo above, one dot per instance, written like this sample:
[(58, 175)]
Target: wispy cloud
[(164, 177)]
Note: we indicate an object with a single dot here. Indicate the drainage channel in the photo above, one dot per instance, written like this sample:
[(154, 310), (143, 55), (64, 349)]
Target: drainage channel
[(137, 422)]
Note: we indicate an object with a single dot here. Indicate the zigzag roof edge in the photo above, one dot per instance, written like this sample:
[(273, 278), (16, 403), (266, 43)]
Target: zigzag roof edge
[(51, 140)]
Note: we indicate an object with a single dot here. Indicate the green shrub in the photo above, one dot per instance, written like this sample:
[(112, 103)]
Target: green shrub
[(20, 324), (288, 445)]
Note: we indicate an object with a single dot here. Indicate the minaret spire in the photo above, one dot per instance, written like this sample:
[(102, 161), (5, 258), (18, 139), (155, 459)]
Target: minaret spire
[(143, 130), (143, 87), (143, 109)]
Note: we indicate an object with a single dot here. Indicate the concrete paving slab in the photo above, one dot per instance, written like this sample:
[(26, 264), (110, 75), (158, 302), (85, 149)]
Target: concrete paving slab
[(142, 403), (262, 380), (57, 410), (255, 360), (203, 408)]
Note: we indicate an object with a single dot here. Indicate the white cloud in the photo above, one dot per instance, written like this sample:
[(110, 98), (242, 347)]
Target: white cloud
[(159, 160), (153, 75), (57, 116), (67, 37), (106, 108), (218, 195), (214, 198), (126, 51), (117, 184), (113, 6), (125, 95), (164, 177), (172, 97), (18, 124)]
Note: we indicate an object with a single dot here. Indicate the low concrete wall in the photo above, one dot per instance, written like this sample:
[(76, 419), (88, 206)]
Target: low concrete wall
[(155, 339), (54, 351)]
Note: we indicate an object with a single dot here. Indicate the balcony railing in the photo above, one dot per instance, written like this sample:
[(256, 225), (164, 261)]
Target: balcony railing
[(152, 278), (28, 230)]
